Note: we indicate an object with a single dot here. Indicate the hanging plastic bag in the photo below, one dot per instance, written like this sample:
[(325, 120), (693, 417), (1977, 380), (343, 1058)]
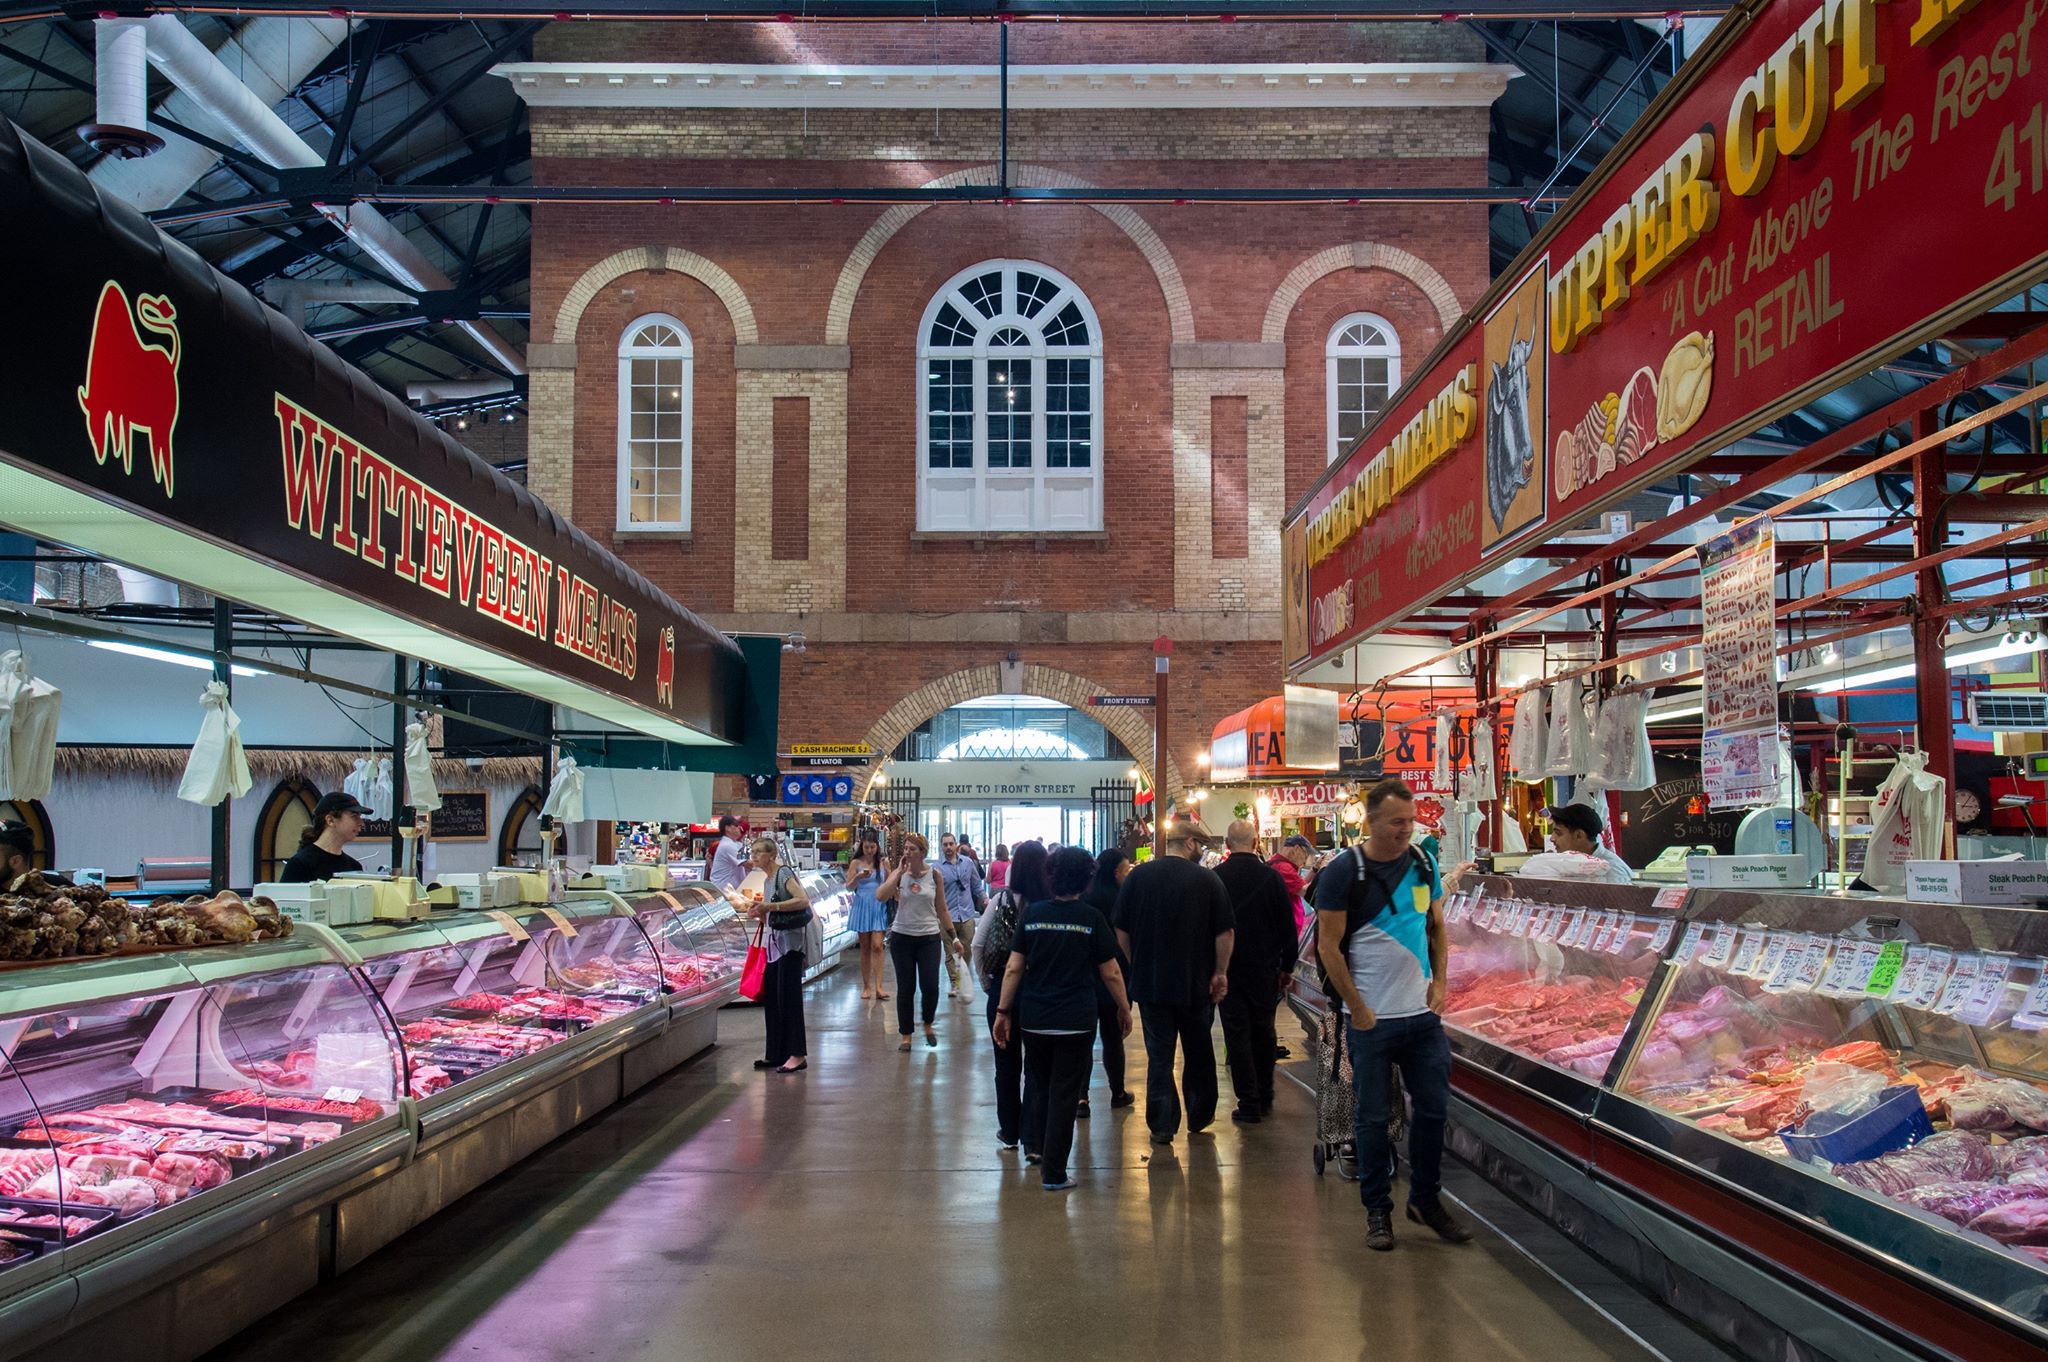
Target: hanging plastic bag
[(356, 786), (419, 769), (379, 784), (1485, 785), (1621, 743), (565, 797), (1905, 822), (1528, 742), (1446, 729), (218, 767), (28, 719), (1571, 744)]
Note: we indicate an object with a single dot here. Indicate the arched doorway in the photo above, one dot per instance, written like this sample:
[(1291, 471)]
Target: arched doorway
[(32, 815), (286, 813), (519, 836)]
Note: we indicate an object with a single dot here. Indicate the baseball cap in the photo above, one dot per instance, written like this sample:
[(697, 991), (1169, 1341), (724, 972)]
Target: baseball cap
[(1579, 818), (338, 802), (20, 836), (1297, 840), (1185, 826)]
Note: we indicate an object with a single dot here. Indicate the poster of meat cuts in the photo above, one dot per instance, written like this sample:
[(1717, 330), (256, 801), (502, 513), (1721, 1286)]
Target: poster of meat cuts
[(1739, 753)]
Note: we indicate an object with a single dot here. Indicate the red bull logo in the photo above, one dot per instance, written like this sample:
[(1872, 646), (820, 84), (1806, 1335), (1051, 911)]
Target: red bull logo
[(665, 669), (131, 384)]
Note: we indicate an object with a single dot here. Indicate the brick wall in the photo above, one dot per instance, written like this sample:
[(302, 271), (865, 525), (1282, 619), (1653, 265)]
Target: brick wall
[(791, 534)]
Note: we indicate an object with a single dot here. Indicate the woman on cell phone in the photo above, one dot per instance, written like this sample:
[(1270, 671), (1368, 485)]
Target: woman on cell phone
[(870, 919), (922, 931)]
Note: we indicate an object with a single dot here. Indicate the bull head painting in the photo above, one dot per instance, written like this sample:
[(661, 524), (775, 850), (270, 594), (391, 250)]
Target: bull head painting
[(1510, 445), (131, 384)]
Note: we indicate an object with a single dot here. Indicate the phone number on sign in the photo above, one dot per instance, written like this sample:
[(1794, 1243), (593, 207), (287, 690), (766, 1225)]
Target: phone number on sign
[(1431, 546)]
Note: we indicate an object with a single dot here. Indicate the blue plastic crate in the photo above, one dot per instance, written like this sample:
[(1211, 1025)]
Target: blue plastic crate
[(1897, 1121)]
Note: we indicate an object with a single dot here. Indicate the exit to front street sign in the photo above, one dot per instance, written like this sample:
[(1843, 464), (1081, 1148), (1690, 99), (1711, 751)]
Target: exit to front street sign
[(1136, 700)]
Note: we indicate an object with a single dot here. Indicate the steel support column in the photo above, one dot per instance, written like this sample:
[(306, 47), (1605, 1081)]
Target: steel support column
[(1162, 663), (223, 672), (1610, 620), (1485, 677), (1934, 710)]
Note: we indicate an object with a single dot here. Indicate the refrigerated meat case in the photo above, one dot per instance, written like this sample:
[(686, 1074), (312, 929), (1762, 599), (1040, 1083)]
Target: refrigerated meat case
[(190, 1138), (830, 933), (1665, 1074)]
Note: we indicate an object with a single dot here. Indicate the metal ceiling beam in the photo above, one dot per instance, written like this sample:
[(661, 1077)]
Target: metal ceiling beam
[(1067, 11), (359, 81), (437, 100)]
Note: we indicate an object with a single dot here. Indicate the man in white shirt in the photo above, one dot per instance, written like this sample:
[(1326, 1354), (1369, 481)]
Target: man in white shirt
[(1577, 827), (729, 857)]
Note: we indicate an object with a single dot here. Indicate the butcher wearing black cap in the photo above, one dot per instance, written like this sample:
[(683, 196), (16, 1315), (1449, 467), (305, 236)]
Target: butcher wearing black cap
[(18, 853), (337, 821)]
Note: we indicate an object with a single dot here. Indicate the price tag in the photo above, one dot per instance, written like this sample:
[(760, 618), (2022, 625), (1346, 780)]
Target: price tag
[(1723, 948), (1776, 949), (1934, 967), (1574, 927), (2033, 1013), (1884, 977), (1813, 963), (1689, 944), (1604, 928), (1662, 937), (1671, 899), (343, 1095), (1908, 981), (1987, 993), (1454, 908), (1868, 954), (1525, 918), (1791, 953), (1840, 968), (1751, 949), (555, 916), (1624, 928), (509, 923), (1962, 978), (1553, 923)]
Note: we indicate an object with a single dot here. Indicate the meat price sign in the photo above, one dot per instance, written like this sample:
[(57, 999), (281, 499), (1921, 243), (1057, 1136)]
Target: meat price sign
[(162, 416), (1825, 185)]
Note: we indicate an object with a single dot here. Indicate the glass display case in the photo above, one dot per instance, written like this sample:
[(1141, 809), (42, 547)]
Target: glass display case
[(140, 1090), (831, 918), (697, 945)]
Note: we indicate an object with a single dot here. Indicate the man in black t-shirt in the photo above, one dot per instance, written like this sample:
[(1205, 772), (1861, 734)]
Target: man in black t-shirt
[(1260, 962), (1174, 921)]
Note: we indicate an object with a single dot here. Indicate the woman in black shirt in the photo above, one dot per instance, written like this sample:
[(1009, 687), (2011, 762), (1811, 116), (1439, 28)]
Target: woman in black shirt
[(337, 821), (1063, 945)]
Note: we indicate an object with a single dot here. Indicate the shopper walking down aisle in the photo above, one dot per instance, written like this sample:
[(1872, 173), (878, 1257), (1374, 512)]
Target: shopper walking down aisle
[(729, 858), (1380, 933), (999, 868), (869, 918), (921, 933), (787, 908), (1291, 865), (1173, 921), (965, 898), (1063, 947), (1112, 867), (1260, 962), (992, 946)]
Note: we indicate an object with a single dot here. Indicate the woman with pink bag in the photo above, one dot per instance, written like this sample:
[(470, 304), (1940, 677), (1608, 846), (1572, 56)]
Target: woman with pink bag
[(783, 910)]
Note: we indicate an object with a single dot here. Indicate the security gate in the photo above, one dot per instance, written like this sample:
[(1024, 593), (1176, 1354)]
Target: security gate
[(1115, 803), (899, 802)]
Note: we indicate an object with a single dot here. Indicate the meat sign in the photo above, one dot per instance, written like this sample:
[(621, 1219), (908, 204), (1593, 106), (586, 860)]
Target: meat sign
[(1828, 183)]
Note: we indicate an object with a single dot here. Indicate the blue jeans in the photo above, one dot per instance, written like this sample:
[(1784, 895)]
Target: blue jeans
[(1423, 1052)]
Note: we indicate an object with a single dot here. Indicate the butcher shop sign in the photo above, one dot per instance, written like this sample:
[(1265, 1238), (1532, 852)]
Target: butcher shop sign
[(1827, 184), (159, 415)]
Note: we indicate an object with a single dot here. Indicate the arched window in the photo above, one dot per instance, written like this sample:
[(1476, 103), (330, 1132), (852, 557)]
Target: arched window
[(519, 835), (656, 372), (1009, 403), (1364, 362), (31, 814), (286, 813)]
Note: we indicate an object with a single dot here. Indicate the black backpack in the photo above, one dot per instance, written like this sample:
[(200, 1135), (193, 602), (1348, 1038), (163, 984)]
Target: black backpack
[(1358, 909)]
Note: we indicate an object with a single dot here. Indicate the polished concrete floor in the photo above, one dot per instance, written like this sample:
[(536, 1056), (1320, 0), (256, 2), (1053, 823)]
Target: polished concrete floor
[(863, 1211)]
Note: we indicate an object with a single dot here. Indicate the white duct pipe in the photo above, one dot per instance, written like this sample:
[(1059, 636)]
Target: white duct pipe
[(120, 88), (292, 297), (187, 63), (454, 391)]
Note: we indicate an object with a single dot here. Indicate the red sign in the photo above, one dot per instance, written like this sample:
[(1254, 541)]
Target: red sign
[(1827, 184), (131, 386)]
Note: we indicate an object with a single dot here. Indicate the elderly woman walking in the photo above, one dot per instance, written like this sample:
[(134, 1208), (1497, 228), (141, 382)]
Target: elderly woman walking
[(786, 909)]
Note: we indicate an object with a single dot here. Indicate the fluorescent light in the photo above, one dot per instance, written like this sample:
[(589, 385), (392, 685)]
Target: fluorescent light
[(1686, 711), (177, 659), (1831, 684), (1995, 648)]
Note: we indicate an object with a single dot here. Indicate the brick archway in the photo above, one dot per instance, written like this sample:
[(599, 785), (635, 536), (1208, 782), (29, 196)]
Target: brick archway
[(637, 258), (1180, 314), (1132, 727), (1359, 255)]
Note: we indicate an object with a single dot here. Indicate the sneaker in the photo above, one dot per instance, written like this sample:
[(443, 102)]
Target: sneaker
[(1157, 1138), (1246, 1116), (1030, 1157), (1379, 1230), (1124, 1099), (1002, 1143), (1437, 1218), (1068, 1185), (1081, 1112)]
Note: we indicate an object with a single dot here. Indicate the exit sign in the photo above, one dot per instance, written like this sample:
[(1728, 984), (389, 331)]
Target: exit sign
[(1114, 700)]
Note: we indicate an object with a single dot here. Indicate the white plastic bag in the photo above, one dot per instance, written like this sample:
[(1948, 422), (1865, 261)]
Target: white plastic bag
[(1622, 759), (28, 731), (1446, 729), (1485, 784), (356, 786), (217, 768), (1528, 741), (419, 769), (565, 797), (377, 788), (1905, 822), (1571, 743)]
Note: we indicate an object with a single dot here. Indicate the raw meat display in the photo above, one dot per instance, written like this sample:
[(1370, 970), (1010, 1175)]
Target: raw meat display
[(362, 1109), (1963, 1202), (1972, 1100), (69, 1226), (1952, 1156), (2016, 1222)]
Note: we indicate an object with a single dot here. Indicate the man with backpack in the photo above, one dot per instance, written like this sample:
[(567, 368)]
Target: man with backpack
[(1380, 935)]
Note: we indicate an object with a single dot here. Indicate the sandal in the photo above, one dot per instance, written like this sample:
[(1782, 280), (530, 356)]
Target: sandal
[(931, 1040), (881, 997), (905, 1046)]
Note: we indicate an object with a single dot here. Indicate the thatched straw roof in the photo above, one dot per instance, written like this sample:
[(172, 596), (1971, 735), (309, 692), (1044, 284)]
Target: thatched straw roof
[(324, 769)]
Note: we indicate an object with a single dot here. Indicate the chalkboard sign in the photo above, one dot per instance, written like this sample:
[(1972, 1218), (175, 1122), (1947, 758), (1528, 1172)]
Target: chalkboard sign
[(464, 816)]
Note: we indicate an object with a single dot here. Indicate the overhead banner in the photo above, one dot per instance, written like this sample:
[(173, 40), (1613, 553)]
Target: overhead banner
[(159, 415), (1826, 184), (1741, 755)]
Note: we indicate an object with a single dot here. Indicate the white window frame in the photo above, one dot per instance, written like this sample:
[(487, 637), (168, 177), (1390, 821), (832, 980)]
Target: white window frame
[(1333, 353), (629, 352), (1040, 486)]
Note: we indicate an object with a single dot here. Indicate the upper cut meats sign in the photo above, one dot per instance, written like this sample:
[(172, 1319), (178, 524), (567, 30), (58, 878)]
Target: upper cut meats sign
[(1825, 185)]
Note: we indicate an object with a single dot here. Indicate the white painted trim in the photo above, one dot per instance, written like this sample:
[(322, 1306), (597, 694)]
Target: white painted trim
[(626, 354), (1332, 352), (1273, 86)]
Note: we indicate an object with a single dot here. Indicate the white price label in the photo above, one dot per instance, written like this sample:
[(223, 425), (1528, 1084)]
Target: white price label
[(1865, 965), (1962, 977), (1934, 967), (1840, 968), (1785, 973), (1776, 949), (1662, 937), (1549, 923), (1813, 963), (2033, 1013), (1987, 993), (1908, 981), (1574, 926), (1753, 942), (1723, 947), (1624, 928), (1689, 944), (344, 1095), (1609, 927), (1670, 900)]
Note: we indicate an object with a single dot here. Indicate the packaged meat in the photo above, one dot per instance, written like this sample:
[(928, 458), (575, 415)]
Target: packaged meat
[(2024, 1155), (2016, 1222), (1981, 1101), (190, 1172), (1952, 1156), (1963, 1202)]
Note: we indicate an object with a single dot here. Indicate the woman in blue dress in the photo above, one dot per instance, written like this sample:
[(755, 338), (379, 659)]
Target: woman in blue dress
[(870, 915)]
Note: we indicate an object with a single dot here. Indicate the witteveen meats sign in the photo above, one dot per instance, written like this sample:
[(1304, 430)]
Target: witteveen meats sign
[(1826, 184), (159, 414)]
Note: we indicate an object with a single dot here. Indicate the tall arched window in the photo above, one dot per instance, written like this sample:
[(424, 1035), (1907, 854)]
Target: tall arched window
[(656, 370), (1009, 403), (1364, 362)]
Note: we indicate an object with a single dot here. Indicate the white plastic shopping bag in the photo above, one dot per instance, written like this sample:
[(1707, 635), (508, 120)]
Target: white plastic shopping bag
[(419, 769), (1485, 784), (1446, 729), (1905, 822), (1621, 743), (565, 797), (1571, 741), (28, 730), (1527, 743), (218, 767), (377, 788)]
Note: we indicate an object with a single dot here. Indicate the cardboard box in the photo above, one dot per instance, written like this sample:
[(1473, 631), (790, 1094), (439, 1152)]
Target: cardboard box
[(1748, 872), (1990, 883), (304, 902)]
